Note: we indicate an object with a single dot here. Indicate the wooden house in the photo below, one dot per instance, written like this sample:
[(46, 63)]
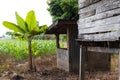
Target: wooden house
[(98, 28), (68, 58)]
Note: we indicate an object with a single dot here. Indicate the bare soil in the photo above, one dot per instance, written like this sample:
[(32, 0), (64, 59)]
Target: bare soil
[(47, 70)]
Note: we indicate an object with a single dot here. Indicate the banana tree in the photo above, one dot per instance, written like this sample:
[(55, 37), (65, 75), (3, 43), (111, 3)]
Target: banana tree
[(26, 29)]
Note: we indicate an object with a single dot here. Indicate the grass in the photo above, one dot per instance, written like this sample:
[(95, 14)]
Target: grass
[(18, 50)]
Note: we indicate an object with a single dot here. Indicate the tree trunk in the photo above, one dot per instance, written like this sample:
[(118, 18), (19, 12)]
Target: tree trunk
[(30, 55)]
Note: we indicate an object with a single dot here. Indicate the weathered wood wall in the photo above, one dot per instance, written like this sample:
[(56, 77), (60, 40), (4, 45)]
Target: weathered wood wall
[(99, 20), (63, 59), (99, 23), (98, 61)]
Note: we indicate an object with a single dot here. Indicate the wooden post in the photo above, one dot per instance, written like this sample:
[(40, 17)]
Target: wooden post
[(83, 51), (57, 40), (73, 49), (119, 65)]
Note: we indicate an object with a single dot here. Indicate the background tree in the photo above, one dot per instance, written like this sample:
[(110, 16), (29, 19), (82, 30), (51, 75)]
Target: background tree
[(26, 29), (63, 9)]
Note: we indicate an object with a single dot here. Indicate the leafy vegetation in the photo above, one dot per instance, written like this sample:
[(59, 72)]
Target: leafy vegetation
[(63, 9), (26, 29), (17, 49)]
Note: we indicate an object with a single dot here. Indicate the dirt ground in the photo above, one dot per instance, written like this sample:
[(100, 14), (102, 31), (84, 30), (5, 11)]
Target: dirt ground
[(46, 70)]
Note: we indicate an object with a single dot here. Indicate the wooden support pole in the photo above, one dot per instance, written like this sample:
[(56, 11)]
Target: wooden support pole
[(73, 49), (57, 40), (83, 51), (119, 65)]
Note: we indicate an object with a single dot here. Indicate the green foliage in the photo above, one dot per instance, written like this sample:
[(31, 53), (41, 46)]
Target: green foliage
[(21, 22), (31, 20), (13, 26), (17, 49), (45, 37), (63, 9), (27, 28)]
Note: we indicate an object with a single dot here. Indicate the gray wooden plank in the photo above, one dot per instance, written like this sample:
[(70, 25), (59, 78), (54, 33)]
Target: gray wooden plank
[(109, 6), (101, 29), (94, 6), (110, 20), (100, 16), (112, 36), (83, 51), (84, 3), (104, 50), (87, 14)]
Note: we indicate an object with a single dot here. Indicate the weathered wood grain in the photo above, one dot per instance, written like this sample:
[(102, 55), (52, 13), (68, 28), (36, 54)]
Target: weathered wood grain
[(63, 59), (112, 36), (96, 5), (87, 14), (84, 3), (104, 50), (109, 6), (100, 16), (110, 20), (83, 51), (73, 49), (101, 29)]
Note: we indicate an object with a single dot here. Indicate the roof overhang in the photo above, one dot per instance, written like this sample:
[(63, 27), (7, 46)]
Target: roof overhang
[(60, 26)]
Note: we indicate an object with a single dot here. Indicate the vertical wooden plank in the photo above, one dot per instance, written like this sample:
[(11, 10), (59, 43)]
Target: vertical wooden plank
[(119, 66), (57, 40), (83, 51), (73, 49)]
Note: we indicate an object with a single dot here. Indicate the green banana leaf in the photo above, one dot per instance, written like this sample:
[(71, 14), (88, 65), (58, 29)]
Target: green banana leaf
[(13, 27), (21, 22), (31, 20)]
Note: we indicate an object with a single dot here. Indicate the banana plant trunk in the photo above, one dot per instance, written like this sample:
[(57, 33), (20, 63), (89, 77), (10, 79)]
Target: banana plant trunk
[(30, 55)]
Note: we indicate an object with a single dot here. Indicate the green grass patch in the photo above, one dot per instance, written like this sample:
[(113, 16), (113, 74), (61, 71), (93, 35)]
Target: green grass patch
[(18, 49)]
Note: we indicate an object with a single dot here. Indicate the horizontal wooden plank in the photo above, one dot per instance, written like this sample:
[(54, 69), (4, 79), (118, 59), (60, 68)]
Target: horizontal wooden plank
[(94, 6), (112, 36), (100, 16), (104, 50), (109, 6), (84, 3), (101, 29), (111, 20), (88, 43), (81, 1), (87, 14)]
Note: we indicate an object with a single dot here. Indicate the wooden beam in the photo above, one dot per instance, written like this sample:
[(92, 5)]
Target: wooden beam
[(57, 41), (110, 36), (104, 50), (83, 51), (100, 28)]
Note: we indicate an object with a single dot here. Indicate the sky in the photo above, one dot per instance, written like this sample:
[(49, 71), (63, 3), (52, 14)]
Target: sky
[(9, 7)]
